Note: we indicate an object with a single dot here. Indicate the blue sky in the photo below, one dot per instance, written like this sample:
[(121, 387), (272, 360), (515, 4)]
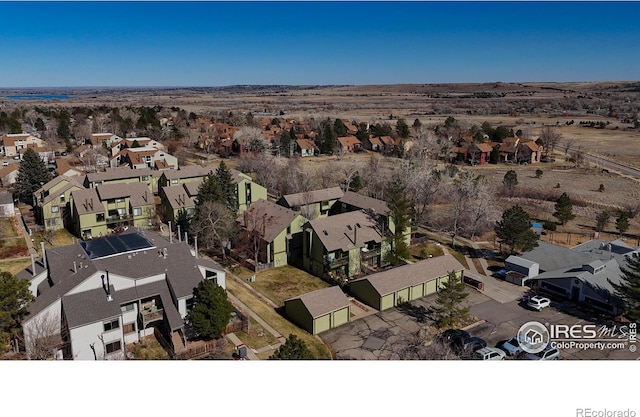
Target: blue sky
[(56, 44)]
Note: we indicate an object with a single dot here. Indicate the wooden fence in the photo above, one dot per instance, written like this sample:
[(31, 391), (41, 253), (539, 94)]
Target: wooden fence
[(202, 349)]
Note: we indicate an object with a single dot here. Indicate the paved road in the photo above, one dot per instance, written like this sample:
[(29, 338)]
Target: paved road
[(611, 165)]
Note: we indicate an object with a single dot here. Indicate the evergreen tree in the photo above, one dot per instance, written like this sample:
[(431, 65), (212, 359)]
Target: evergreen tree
[(515, 230), (339, 128), (209, 190), (400, 210), (285, 143), (14, 298), (211, 310), (32, 175), (227, 186), (328, 139), (64, 119), (602, 220), (417, 123), (510, 180), (363, 135), (39, 125), (564, 209), (451, 310), (622, 222), (628, 289), (293, 349), (402, 128)]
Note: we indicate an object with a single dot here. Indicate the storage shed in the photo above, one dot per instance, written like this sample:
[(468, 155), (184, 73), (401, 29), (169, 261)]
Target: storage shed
[(406, 283), (319, 310), (520, 269)]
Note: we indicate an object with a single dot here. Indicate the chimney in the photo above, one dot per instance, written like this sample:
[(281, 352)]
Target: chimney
[(146, 196), (195, 242), (33, 265), (75, 268), (170, 235), (109, 298), (44, 255), (355, 236), (179, 234), (164, 253), (186, 237)]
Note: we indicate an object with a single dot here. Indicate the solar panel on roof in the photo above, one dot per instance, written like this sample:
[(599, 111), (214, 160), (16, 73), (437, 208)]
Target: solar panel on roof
[(115, 245)]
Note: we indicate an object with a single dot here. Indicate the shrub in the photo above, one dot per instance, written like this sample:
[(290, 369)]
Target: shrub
[(549, 225)]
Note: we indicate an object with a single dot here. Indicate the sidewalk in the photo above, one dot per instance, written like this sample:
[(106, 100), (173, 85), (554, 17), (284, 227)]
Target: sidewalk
[(237, 343)]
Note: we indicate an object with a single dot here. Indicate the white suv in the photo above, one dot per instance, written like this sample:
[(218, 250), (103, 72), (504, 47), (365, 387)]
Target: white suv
[(538, 303), (489, 353)]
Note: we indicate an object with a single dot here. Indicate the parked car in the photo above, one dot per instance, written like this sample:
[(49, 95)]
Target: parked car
[(5, 163), (538, 303), (469, 345), (512, 346), (453, 336), (489, 354), (548, 354)]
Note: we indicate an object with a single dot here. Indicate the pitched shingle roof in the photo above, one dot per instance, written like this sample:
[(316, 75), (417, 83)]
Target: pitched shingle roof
[(362, 201), (323, 301), (86, 201), (405, 276), (349, 141), (190, 171), (276, 218), (178, 196), (346, 231), (316, 196), (120, 173)]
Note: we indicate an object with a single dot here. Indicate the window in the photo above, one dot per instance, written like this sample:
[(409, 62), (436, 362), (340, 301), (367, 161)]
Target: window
[(112, 347), (55, 209), (174, 181), (100, 217), (62, 198), (126, 307), (129, 328), (111, 325), (145, 178), (111, 201), (119, 200), (137, 211), (121, 212)]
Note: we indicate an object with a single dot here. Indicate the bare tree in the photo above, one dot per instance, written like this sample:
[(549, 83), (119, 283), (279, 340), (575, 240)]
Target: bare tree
[(568, 145), (42, 336), (214, 225), (424, 185), (254, 222), (349, 169), (326, 175), (550, 138)]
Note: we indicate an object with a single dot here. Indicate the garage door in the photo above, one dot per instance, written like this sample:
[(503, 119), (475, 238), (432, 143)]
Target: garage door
[(340, 317), (322, 323), (416, 292), (402, 296), (386, 302), (431, 287)]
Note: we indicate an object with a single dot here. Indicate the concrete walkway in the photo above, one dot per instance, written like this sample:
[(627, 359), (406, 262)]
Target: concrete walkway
[(237, 343), (25, 233)]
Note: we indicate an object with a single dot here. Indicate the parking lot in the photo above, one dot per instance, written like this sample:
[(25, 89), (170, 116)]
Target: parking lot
[(379, 336)]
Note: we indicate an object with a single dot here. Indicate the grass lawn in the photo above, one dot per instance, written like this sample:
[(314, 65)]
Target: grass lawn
[(6, 228), (14, 265), (58, 238), (284, 282), (282, 325), (257, 337), (148, 349), (423, 250)]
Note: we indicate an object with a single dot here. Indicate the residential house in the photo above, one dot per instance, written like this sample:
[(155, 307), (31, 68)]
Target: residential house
[(279, 230), (388, 144), (377, 209), (109, 208), (351, 128), (103, 139), (349, 144), (581, 273), (312, 204), (306, 148), (319, 310), (341, 246), (132, 143), (124, 176), (144, 157), (52, 202), (247, 191), (479, 153), (96, 297), (64, 167), (516, 150), (12, 144), (376, 144), (177, 198), (9, 174), (190, 173), (395, 286)]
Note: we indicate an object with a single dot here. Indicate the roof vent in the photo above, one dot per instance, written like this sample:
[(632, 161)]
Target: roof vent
[(325, 233)]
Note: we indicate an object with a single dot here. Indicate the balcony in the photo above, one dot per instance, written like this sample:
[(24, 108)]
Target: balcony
[(370, 253), (337, 262), (118, 218), (151, 315)]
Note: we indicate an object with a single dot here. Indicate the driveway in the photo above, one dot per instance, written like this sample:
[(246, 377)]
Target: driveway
[(381, 335)]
